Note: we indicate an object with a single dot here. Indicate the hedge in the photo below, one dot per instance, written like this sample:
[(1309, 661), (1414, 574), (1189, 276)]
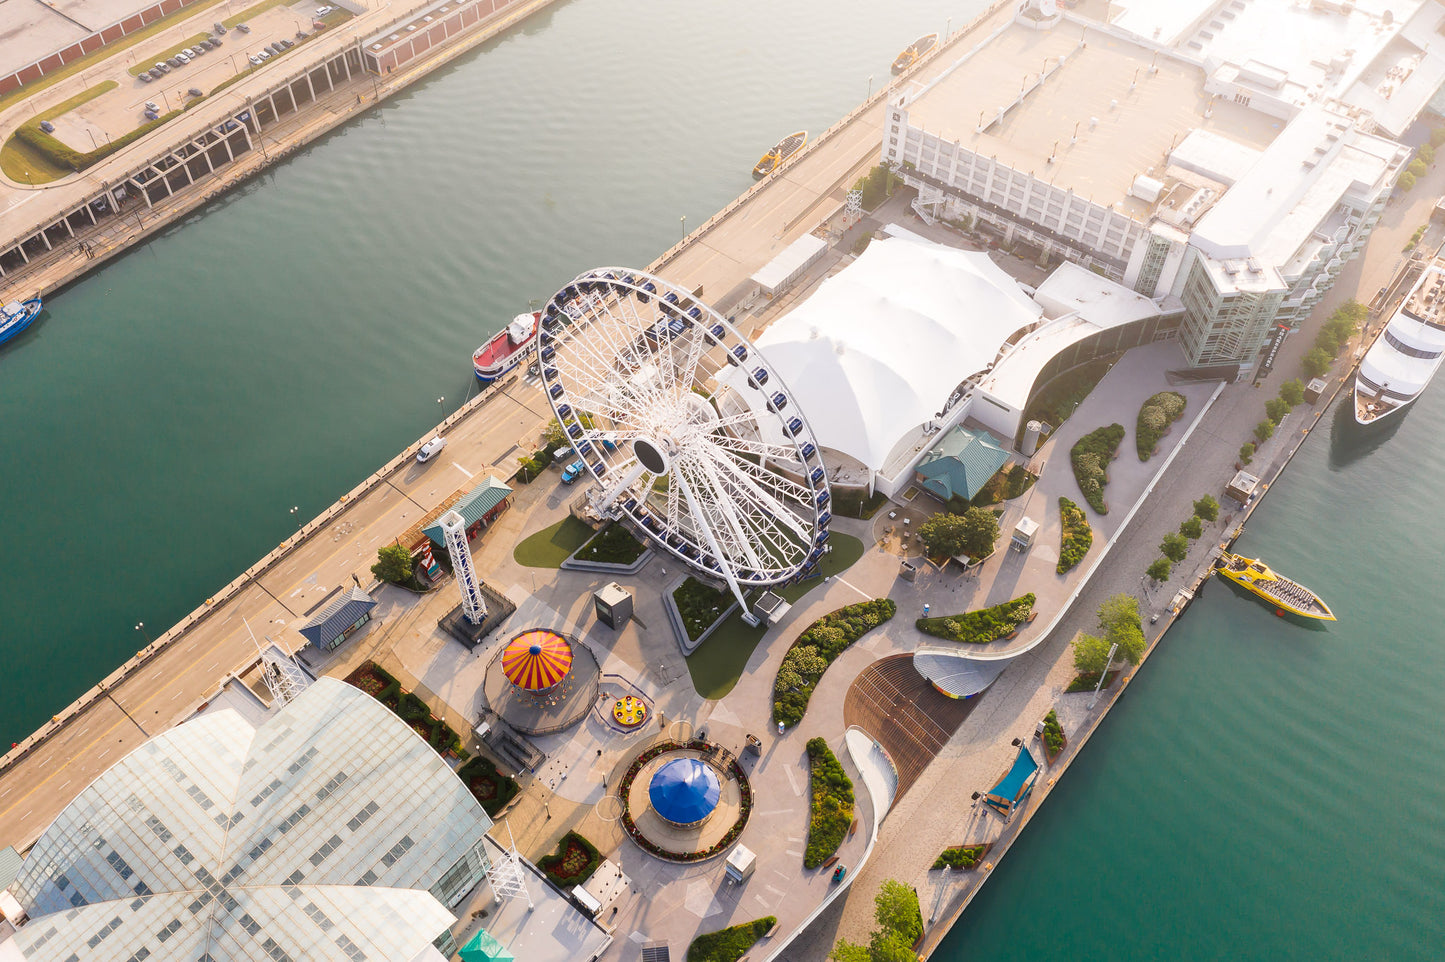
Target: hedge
[(407, 706), (1155, 416), (729, 944), (504, 787), (830, 807), (1077, 537), (981, 626), (959, 856), (1053, 736), (816, 648), (552, 865), (1090, 456), (63, 156)]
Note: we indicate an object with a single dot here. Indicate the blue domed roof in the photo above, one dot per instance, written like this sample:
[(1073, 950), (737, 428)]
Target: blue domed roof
[(684, 791)]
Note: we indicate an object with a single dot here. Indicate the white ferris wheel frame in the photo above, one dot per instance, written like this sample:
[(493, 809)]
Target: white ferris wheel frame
[(623, 356)]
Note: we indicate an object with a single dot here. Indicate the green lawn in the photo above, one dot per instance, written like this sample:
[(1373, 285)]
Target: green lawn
[(25, 164), (718, 663), (550, 547)]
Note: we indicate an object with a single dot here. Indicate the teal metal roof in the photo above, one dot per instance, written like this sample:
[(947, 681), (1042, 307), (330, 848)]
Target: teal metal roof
[(337, 617), (473, 505), (961, 463)]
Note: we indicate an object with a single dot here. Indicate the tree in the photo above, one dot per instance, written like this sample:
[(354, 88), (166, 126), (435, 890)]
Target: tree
[(1426, 152), (895, 909), (393, 563), (1416, 167), (1437, 137), (1317, 362), (1406, 181), (1276, 408), (973, 533), (1174, 546), (1193, 528), (1160, 569), (1264, 430), (1116, 610), (1090, 654), (1246, 452), (1207, 508), (845, 951), (980, 532), (1292, 392), (890, 947)]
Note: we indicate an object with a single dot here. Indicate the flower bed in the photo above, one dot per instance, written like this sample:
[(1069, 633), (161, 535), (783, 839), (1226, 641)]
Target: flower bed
[(624, 791), (961, 856), (488, 786), (1077, 537), (1053, 736), (1155, 416), (1090, 457), (573, 863), (830, 806), (383, 686), (981, 626), (816, 648)]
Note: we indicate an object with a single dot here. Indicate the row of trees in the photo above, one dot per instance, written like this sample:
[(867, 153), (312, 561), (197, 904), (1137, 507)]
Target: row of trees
[(1119, 624), (1291, 394), (1424, 159), (1175, 546), (1333, 337), (898, 925)]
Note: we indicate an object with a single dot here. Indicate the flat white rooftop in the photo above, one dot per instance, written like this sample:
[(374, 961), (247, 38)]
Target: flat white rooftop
[(1133, 129)]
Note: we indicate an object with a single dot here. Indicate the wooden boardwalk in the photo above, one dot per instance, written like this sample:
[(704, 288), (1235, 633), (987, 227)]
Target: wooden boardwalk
[(908, 717)]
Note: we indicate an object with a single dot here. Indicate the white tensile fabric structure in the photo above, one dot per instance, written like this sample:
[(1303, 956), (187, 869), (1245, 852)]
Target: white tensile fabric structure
[(879, 347), (331, 832)]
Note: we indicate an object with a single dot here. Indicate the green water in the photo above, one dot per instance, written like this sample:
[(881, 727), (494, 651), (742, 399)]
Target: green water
[(1262, 792)]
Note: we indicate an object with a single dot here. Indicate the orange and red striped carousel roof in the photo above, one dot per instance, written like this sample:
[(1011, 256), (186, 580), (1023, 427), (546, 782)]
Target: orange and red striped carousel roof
[(537, 660)]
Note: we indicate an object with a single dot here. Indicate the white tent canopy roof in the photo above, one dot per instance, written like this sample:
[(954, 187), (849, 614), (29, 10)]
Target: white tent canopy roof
[(880, 346)]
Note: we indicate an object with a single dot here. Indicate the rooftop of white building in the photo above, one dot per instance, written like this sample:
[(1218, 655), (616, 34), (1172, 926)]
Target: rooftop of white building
[(1127, 106)]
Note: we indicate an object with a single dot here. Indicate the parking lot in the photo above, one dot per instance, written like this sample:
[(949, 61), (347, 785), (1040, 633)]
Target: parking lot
[(119, 111)]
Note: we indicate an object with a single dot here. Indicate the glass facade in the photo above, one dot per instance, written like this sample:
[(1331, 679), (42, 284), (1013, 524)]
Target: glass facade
[(330, 832)]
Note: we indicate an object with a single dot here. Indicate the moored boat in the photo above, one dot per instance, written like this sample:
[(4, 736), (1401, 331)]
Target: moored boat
[(1399, 365), (781, 151), (16, 317), (506, 350), (914, 52), (1259, 579)]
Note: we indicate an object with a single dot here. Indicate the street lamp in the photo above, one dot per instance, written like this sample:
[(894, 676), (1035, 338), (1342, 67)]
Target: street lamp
[(870, 88), (298, 521), (442, 403), (684, 225), (140, 626)]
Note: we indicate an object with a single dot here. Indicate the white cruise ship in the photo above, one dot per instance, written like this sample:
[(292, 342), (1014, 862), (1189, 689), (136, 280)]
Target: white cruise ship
[(1401, 362)]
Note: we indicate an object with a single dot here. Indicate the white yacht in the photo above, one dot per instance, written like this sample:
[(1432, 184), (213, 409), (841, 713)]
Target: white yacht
[(1401, 362)]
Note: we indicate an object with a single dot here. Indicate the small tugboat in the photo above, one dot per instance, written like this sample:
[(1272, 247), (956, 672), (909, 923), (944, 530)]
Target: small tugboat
[(913, 52), (1256, 577), (16, 317), (781, 151), (506, 350)]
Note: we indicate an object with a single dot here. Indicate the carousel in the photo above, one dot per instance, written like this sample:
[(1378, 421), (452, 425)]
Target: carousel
[(541, 682)]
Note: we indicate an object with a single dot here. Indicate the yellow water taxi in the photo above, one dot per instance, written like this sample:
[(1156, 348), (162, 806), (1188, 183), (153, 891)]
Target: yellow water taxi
[(1259, 579), (781, 151), (914, 51)]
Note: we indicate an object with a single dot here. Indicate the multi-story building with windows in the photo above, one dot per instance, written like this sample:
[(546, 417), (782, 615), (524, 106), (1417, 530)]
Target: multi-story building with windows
[(1175, 149)]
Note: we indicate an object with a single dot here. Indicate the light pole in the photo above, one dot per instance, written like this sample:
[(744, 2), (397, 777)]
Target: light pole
[(442, 403), (93, 144), (294, 517), (684, 225), (140, 626), (947, 29)]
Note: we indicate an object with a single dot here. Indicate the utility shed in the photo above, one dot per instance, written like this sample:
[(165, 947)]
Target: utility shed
[(780, 272)]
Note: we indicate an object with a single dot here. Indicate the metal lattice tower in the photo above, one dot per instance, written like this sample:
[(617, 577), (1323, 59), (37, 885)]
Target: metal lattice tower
[(854, 206), (507, 877), (283, 677), (454, 530)]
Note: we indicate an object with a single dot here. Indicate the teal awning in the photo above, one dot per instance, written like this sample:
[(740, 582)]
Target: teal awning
[(473, 506), (1012, 788), (485, 948)]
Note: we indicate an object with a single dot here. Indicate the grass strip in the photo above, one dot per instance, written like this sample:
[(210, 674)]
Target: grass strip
[(165, 55)]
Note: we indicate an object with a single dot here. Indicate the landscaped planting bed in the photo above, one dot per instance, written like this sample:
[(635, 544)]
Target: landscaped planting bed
[(816, 648), (1053, 736), (1088, 681), (1090, 457), (624, 790), (490, 787), (573, 863), (1077, 537), (383, 686), (981, 626), (613, 545), (729, 944), (1155, 416), (960, 856), (700, 605), (830, 805)]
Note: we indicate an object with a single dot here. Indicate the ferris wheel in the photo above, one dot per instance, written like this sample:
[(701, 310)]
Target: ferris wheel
[(729, 480)]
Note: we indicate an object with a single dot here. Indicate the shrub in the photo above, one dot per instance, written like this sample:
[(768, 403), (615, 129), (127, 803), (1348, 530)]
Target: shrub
[(981, 626), (1246, 452), (573, 863), (830, 805), (1437, 137), (1193, 528), (1053, 736), (729, 944), (1276, 408), (1089, 455), (1159, 569), (1155, 416), (1207, 508), (959, 856), (1174, 546), (700, 605), (1077, 536), (1264, 430), (490, 787), (817, 648)]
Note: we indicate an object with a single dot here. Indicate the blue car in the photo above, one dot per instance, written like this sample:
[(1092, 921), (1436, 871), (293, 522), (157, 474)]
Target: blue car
[(572, 472)]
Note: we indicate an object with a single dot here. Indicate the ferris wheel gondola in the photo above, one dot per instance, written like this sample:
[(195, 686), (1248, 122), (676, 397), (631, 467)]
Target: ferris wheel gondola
[(727, 480)]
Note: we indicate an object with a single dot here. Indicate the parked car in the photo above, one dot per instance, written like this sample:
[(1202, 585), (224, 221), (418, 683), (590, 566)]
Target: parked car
[(47, 126), (287, 44), (431, 449), (152, 115), (171, 63), (218, 27), (215, 42), (146, 77), (206, 44), (323, 11), (183, 57), (197, 50), (264, 54), (255, 60), (243, 28), (562, 452), (572, 472), (151, 105), (276, 47), (195, 92)]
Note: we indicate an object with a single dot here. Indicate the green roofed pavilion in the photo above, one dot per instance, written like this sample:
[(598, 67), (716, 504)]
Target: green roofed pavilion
[(960, 464), (477, 507)]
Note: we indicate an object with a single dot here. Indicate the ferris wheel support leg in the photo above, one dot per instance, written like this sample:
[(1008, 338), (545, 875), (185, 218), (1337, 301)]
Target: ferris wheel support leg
[(716, 551), (608, 499)]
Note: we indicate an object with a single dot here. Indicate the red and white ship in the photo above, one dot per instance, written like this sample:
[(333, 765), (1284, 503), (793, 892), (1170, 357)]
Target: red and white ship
[(505, 351)]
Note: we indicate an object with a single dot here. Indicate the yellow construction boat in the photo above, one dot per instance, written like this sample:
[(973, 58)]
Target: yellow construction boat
[(914, 51), (1256, 577), (781, 151)]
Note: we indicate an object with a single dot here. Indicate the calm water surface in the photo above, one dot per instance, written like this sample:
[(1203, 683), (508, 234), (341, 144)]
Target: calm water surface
[(1263, 792)]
